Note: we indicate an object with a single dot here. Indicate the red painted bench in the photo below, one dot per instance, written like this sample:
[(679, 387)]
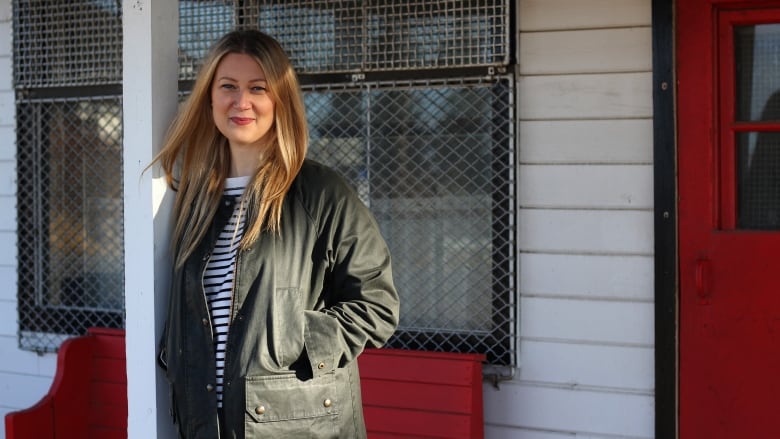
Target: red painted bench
[(88, 397), (411, 394), (406, 394)]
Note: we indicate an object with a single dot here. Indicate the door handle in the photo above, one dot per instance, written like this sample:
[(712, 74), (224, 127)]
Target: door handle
[(703, 278)]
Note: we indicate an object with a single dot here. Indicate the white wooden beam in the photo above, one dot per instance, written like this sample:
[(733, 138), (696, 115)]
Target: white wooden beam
[(150, 77)]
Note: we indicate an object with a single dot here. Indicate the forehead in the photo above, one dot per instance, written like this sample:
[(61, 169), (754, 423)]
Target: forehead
[(239, 66)]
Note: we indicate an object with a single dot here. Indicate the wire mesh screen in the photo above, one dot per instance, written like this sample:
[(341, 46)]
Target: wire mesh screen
[(70, 204), (432, 157), (67, 57), (435, 163), (65, 43), (758, 188), (346, 36)]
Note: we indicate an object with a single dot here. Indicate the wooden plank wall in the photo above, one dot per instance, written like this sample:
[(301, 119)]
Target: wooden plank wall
[(586, 226), (24, 376), (585, 195), (422, 395)]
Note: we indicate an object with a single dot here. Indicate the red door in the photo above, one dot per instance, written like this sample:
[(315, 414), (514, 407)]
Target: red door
[(728, 125)]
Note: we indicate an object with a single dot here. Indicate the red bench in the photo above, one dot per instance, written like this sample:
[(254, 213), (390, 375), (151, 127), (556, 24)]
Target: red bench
[(411, 394), (406, 394), (88, 398)]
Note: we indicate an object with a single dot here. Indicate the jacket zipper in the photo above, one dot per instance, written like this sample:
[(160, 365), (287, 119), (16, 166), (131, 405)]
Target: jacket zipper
[(205, 299)]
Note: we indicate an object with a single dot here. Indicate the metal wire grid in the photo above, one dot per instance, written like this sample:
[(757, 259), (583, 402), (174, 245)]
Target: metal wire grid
[(70, 210), (67, 43), (348, 36), (434, 160)]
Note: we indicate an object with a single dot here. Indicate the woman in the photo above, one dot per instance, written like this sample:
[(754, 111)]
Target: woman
[(281, 277)]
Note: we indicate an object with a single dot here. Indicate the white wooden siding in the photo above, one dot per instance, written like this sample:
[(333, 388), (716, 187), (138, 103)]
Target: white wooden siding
[(589, 141), (24, 376), (585, 196), (587, 276), (585, 229), (560, 15)]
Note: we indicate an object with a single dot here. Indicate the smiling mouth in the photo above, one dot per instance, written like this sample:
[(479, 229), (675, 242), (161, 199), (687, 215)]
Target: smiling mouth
[(241, 120)]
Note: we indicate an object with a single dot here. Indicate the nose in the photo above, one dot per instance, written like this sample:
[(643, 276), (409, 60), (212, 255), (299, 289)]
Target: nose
[(242, 100)]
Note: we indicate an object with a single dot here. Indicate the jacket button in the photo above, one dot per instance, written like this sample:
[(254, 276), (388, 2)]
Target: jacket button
[(327, 403), (206, 257), (321, 366), (209, 387), (205, 321), (260, 410)]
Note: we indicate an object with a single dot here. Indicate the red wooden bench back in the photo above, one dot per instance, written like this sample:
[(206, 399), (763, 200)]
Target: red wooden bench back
[(409, 394), (88, 397), (406, 394)]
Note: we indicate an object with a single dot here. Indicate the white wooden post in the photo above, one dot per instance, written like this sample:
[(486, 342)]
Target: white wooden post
[(150, 78)]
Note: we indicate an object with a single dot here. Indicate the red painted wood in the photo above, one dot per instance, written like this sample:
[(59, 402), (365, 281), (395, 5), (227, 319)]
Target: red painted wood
[(406, 394), (729, 340), (416, 423), (413, 394), (446, 398), (83, 402)]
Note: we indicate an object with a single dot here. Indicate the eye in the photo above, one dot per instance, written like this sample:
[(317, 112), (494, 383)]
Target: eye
[(227, 86), (259, 89)]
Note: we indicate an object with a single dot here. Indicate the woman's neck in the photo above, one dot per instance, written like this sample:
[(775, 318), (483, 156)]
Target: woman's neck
[(244, 161)]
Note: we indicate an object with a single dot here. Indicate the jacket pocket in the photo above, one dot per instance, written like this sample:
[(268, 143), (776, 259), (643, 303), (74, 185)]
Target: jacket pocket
[(284, 406), (286, 326)]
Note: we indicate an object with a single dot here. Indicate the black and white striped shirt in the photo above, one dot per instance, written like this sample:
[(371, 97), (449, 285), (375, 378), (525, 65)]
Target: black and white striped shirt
[(218, 276)]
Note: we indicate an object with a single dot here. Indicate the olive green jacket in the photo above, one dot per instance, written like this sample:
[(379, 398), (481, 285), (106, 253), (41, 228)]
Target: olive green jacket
[(306, 301)]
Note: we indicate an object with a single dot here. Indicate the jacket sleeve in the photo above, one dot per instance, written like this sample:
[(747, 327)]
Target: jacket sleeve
[(362, 304)]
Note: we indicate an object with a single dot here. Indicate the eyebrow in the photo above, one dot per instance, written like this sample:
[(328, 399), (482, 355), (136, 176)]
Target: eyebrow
[(236, 80)]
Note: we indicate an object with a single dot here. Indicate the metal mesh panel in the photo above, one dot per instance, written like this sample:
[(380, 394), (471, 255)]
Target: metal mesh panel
[(758, 186), (70, 207), (433, 159), (58, 43), (435, 163), (201, 23), (347, 36)]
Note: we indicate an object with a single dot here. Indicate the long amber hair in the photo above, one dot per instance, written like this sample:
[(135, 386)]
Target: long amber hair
[(196, 157)]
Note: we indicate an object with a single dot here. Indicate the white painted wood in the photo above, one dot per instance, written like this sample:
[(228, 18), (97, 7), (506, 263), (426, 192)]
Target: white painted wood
[(6, 74), (586, 231), (7, 110), (586, 141), (578, 14), (578, 365), (7, 178), (558, 409), (510, 432), (8, 244), (8, 290), (7, 214), (24, 362), (150, 83), (599, 322), (5, 19), (586, 51), (587, 276), (591, 186), (21, 391), (8, 318), (593, 96), (7, 145)]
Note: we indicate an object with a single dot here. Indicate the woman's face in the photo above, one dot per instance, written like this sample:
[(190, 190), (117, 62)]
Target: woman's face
[(240, 103)]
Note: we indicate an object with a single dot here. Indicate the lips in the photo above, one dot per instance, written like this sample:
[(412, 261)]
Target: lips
[(241, 120)]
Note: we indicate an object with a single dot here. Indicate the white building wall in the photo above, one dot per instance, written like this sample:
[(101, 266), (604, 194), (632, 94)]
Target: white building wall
[(585, 218), (24, 376), (585, 225)]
